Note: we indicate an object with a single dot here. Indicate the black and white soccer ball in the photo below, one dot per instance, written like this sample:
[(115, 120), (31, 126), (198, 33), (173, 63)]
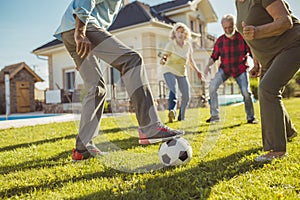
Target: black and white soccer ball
[(175, 152)]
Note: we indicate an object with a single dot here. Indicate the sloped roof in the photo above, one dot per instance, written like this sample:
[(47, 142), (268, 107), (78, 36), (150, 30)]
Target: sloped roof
[(16, 68), (136, 13), (170, 5), (49, 44), (132, 14)]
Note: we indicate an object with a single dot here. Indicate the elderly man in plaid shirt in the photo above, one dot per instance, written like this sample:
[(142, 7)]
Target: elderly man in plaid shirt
[(233, 52)]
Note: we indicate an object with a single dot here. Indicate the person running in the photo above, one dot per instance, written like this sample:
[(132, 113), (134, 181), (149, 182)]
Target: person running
[(178, 54), (273, 34), (83, 30), (233, 52)]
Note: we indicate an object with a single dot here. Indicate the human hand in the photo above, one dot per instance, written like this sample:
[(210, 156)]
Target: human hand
[(255, 71), (206, 71), (201, 76), (249, 31), (163, 59), (83, 45)]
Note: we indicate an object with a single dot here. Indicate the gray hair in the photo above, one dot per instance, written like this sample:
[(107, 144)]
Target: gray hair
[(229, 18)]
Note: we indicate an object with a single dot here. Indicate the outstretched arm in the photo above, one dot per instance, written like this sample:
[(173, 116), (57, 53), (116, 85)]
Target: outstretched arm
[(194, 67), (207, 68)]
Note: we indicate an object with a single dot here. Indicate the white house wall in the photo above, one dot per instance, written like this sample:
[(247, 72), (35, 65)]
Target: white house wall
[(60, 61), (158, 38), (144, 40)]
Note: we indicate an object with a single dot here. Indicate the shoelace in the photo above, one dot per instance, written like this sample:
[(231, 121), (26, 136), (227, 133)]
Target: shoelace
[(163, 128)]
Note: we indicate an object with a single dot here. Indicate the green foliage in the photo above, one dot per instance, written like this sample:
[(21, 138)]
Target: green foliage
[(297, 77), (254, 82), (290, 90), (36, 162)]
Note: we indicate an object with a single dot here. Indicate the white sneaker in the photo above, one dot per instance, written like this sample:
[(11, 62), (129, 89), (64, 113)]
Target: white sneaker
[(171, 116), (270, 156)]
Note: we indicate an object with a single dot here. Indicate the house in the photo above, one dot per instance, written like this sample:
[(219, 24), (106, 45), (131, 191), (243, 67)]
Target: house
[(146, 29), (22, 81)]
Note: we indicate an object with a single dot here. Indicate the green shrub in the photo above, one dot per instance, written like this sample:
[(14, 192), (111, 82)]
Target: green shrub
[(254, 82), (290, 89), (297, 77)]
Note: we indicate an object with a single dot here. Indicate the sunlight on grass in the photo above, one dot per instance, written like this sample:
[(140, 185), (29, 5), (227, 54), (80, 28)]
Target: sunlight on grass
[(36, 161)]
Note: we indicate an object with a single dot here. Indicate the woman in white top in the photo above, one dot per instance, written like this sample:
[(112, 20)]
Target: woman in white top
[(178, 54)]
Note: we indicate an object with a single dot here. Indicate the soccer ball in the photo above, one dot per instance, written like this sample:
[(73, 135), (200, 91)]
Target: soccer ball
[(175, 152)]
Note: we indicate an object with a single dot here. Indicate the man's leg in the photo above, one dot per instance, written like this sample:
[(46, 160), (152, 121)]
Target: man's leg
[(213, 88), (93, 101), (133, 73), (243, 82)]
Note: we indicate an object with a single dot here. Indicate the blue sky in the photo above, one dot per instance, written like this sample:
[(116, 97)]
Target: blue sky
[(26, 25)]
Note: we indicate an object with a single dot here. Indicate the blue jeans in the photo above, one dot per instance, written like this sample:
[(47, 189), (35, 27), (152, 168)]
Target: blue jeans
[(184, 88), (244, 85)]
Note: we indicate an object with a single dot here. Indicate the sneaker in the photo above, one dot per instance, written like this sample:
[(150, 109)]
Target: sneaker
[(270, 156), (290, 138), (77, 156), (213, 119), (83, 155), (252, 121), (180, 118), (94, 151), (171, 116), (157, 133)]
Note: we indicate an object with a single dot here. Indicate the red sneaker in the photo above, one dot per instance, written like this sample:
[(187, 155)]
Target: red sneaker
[(76, 156), (157, 133), (91, 152)]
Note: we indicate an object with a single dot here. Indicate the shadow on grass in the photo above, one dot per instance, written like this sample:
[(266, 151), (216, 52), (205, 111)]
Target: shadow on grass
[(116, 130), (109, 173), (132, 142), (58, 159), (214, 128), (194, 183), (40, 142)]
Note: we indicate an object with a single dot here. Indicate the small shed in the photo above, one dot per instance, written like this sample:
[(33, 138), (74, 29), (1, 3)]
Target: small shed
[(22, 80)]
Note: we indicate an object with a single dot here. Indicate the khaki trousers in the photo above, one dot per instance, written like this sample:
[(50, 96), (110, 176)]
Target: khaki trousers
[(276, 123), (130, 64)]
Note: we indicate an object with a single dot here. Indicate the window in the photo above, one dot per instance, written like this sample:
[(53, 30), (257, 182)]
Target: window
[(115, 77), (70, 80), (201, 35), (192, 25)]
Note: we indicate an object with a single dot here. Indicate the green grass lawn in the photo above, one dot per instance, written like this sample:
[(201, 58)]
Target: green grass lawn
[(36, 162)]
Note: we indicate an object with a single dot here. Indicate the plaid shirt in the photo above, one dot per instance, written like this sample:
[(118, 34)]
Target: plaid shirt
[(233, 54)]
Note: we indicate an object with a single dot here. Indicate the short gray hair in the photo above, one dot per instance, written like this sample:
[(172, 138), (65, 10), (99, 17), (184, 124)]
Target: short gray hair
[(228, 17)]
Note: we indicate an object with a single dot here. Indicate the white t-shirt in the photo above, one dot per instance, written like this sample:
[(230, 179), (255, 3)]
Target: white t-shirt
[(177, 58)]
